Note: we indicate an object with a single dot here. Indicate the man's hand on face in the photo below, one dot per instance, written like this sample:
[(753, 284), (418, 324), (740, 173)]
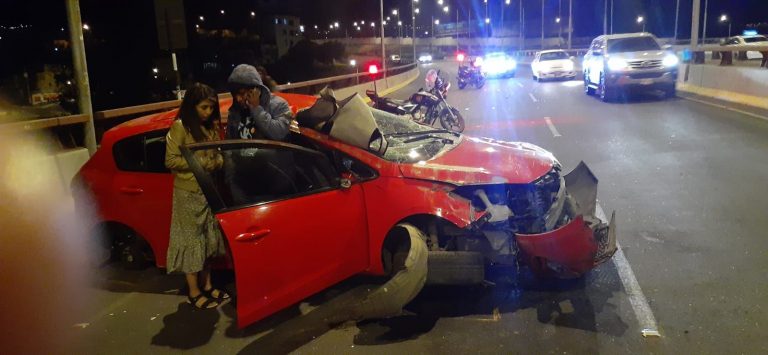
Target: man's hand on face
[(253, 97)]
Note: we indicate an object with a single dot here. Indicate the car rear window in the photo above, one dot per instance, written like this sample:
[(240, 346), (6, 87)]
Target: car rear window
[(554, 56), (632, 44), (141, 153)]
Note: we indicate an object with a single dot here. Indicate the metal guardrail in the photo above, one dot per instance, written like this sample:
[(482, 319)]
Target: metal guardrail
[(102, 117)]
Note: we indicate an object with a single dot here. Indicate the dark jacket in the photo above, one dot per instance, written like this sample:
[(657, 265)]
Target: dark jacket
[(270, 119)]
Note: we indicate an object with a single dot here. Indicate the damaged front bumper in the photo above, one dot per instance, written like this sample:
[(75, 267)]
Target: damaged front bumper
[(578, 246)]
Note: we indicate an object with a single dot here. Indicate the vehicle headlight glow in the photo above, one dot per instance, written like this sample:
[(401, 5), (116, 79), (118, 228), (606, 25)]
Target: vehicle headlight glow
[(617, 64), (425, 58), (670, 60), (500, 65)]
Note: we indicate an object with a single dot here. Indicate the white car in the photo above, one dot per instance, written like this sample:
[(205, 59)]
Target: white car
[(425, 58), (553, 64), (750, 41), (395, 58), (499, 65)]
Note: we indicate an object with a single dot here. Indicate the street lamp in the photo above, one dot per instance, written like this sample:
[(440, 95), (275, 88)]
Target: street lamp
[(86, 27), (641, 20), (445, 9), (201, 18), (557, 20), (724, 18)]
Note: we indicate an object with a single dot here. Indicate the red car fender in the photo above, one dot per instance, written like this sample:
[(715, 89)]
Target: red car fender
[(572, 246), (390, 200)]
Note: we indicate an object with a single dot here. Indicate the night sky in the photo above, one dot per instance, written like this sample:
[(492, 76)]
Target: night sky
[(122, 43)]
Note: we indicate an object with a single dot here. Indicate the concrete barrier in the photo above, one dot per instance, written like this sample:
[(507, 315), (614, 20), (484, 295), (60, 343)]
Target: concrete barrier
[(384, 86), (742, 85)]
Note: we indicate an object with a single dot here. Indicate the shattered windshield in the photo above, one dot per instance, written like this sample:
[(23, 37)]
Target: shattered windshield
[(410, 142)]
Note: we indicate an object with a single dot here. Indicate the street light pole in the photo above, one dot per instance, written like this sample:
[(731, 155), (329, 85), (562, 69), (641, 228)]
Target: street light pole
[(570, 22), (413, 30), (704, 33), (81, 72), (611, 16), (383, 50), (695, 23), (605, 18), (522, 27), (677, 17), (542, 24)]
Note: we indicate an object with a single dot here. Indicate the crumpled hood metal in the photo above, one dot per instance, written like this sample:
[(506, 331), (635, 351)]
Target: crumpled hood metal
[(484, 161)]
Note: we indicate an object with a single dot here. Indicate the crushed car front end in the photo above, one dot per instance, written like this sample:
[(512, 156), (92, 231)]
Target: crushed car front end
[(550, 224)]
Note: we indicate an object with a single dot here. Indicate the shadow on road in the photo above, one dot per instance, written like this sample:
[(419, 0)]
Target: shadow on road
[(563, 303), (188, 328)]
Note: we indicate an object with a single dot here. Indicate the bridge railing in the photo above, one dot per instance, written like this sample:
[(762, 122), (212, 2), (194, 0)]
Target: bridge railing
[(106, 119)]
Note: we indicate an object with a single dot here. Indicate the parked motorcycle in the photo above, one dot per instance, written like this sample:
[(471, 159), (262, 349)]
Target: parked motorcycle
[(471, 74), (424, 106)]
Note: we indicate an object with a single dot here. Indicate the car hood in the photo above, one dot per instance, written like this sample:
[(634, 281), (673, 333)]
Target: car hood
[(554, 63), (654, 54), (484, 161)]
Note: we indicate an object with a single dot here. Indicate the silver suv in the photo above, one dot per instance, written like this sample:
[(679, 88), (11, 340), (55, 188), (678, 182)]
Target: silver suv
[(631, 60)]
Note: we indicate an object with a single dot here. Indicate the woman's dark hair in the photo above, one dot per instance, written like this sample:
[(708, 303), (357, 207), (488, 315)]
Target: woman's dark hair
[(188, 114)]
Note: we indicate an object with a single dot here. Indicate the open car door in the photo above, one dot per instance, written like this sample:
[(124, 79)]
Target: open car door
[(291, 227)]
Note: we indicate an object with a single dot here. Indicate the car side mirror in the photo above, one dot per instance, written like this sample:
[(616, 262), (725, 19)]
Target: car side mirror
[(346, 180)]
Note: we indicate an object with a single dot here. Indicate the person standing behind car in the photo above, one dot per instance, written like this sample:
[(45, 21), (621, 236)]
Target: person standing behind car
[(195, 235), (255, 113)]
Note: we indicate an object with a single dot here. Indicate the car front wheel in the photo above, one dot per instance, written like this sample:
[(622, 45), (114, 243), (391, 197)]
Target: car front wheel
[(606, 94), (587, 89)]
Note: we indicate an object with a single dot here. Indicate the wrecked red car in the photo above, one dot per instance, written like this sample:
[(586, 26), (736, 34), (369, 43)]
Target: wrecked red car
[(303, 215)]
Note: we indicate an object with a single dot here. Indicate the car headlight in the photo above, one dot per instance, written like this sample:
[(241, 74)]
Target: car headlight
[(670, 60), (617, 64)]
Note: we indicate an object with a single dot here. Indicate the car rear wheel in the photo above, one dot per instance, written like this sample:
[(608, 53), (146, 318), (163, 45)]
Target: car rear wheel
[(129, 250)]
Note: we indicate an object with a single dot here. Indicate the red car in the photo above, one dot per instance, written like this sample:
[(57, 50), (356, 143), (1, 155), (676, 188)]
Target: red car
[(301, 216)]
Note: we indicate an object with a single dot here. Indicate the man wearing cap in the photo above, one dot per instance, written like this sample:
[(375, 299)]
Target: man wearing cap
[(255, 112)]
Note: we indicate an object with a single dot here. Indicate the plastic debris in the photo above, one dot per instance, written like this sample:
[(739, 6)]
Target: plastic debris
[(650, 333)]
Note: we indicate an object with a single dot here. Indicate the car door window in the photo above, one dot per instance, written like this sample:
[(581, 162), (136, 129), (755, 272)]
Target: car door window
[(141, 153), (253, 174)]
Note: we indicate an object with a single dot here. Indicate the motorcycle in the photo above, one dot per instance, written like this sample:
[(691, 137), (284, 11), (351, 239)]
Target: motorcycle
[(471, 74), (424, 106)]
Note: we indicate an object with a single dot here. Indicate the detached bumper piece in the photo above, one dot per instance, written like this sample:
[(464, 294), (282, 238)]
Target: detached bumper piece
[(578, 246)]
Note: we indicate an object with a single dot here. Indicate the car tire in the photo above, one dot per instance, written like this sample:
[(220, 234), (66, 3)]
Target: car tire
[(131, 251), (606, 94), (455, 268), (670, 92), (588, 90)]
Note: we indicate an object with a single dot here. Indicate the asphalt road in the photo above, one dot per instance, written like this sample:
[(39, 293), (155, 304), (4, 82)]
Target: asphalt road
[(687, 181)]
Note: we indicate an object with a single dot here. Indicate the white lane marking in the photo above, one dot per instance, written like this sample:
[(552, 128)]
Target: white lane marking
[(726, 108), (519, 83), (552, 127), (533, 98), (637, 299)]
